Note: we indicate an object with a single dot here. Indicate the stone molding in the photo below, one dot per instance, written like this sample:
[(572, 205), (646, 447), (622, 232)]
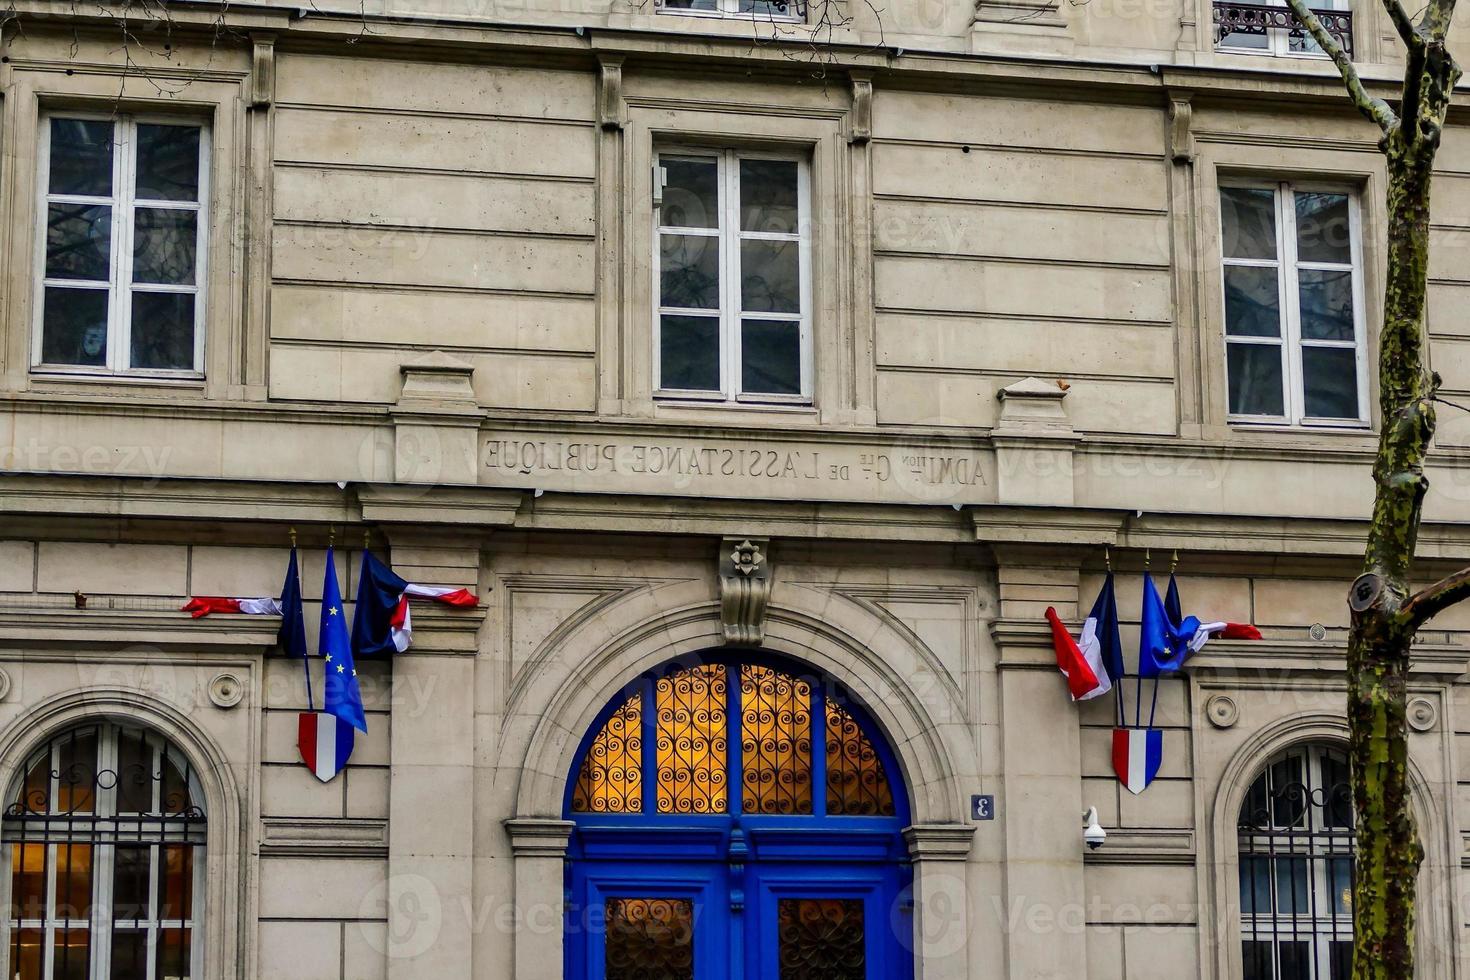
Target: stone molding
[(539, 836), (939, 842), (324, 837), (132, 629), (1135, 846)]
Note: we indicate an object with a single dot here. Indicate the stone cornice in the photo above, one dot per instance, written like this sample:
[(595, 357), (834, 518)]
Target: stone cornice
[(539, 836), (1144, 846), (37, 627), (939, 842), (324, 837)]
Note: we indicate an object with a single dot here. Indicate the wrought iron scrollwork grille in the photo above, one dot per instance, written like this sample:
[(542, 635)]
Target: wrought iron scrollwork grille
[(1296, 844), (104, 835), (1260, 19)]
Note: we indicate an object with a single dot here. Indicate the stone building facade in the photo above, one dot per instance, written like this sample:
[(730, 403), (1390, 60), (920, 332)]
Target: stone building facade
[(684, 340)]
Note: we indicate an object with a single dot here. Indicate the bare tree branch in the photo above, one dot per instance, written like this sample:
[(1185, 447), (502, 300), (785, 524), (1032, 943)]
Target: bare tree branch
[(1431, 600), (1375, 109)]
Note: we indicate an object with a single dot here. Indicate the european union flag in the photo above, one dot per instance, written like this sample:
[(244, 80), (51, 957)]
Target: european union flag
[(292, 636), (343, 697), (1163, 640)]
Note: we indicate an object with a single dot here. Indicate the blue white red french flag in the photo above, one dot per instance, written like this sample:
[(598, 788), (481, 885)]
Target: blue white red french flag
[(382, 623), (1137, 755), (325, 742)]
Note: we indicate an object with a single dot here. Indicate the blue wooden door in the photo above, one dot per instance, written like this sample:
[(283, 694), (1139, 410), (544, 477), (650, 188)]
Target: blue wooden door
[(736, 819)]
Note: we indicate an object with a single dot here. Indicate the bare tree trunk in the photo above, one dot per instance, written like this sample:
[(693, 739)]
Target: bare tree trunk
[(1385, 616)]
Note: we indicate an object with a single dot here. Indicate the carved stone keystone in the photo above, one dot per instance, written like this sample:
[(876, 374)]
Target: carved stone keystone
[(1034, 443), (745, 590)]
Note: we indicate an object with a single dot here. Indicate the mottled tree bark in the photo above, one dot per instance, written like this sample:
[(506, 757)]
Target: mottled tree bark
[(1385, 616)]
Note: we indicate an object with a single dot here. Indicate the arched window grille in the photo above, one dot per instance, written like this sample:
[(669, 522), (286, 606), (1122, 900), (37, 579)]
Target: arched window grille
[(104, 832), (1296, 842), (759, 748)]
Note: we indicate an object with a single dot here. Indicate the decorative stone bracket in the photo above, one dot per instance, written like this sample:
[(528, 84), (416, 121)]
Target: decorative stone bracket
[(745, 590), (436, 422)]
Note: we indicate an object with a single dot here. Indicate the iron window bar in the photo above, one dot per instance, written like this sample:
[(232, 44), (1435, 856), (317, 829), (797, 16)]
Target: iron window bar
[(1260, 19)]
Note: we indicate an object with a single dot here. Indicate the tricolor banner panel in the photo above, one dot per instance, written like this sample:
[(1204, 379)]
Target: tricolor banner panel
[(325, 742), (1137, 755)]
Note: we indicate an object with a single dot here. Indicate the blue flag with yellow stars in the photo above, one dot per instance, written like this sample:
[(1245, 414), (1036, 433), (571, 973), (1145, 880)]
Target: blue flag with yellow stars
[(343, 697)]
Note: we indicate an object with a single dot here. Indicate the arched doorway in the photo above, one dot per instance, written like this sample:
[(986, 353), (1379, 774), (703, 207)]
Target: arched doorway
[(738, 817)]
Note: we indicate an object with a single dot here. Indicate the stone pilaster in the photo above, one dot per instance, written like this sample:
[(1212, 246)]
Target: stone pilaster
[(943, 919), (540, 849)]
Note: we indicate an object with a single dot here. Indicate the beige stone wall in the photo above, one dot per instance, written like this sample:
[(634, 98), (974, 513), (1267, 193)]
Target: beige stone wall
[(430, 316)]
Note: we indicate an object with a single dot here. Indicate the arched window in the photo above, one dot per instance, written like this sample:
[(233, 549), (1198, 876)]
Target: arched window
[(737, 817), (1296, 841), (104, 832)]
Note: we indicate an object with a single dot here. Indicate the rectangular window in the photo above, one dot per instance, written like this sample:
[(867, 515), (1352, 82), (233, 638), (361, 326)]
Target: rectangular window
[(733, 277), (1293, 288), (121, 246), (792, 10)]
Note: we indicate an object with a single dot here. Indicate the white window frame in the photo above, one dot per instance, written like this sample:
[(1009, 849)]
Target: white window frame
[(101, 925), (729, 235), (1289, 303), (123, 203), (1278, 42), (731, 9)]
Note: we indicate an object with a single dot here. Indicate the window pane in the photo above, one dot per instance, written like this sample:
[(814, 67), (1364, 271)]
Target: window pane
[(1255, 886), (770, 357), (1248, 222), (1288, 792), (689, 4), (775, 742), (78, 241), (77, 780), (1255, 960), (649, 939), (1342, 961), (857, 783), (689, 353), (129, 955), (611, 780), (691, 194), (1342, 886), (168, 162), (28, 881), (1338, 810), (690, 738), (1252, 302), (176, 891), (1255, 379), (1327, 304), (768, 188), (174, 794), (81, 157), (1323, 229), (72, 955), (73, 881), (163, 330), (1330, 382), (164, 244), (134, 756), (26, 949), (689, 270), (766, 8), (131, 870), (1291, 886), (822, 939), (173, 954), (74, 326), (1255, 42), (1295, 960), (770, 277)]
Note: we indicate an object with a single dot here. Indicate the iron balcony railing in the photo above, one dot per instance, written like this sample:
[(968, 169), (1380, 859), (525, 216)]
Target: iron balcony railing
[(1260, 19)]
